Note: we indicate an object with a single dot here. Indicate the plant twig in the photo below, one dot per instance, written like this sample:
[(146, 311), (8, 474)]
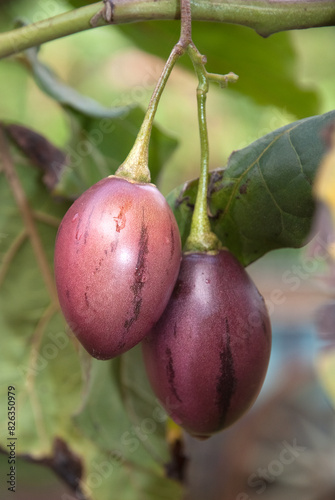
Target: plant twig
[(186, 23), (136, 164), (265, 16)]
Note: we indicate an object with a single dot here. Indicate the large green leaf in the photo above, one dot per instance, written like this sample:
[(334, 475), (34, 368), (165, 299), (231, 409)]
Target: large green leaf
[(263, 199), (59, 395), (129, 428), (32, 330), (267, 68)]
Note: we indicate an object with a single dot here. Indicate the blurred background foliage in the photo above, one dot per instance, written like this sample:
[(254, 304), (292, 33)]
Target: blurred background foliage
[(283, 78)]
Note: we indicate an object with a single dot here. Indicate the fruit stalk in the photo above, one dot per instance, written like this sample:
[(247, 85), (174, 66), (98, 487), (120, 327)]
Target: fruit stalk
[(135, 166), (201, 238)]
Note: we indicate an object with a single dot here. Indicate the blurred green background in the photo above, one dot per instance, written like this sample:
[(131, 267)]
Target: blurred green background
[(108, 65)]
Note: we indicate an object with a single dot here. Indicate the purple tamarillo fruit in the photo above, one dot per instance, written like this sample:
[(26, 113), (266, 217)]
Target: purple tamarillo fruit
[(117, 258), (207, 356)]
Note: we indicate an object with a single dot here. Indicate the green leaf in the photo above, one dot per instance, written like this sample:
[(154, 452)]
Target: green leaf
[(267, 68), (68, 97), (263, 199), (32, 329), (124, 420), (60, 394)]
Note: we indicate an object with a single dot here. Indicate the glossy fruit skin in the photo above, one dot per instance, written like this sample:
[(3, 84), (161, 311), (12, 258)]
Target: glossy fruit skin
[(117, 258), (208, 354)]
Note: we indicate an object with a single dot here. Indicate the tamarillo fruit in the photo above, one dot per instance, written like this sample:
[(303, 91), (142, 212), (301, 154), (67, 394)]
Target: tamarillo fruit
[(117, 258), (207, 356)]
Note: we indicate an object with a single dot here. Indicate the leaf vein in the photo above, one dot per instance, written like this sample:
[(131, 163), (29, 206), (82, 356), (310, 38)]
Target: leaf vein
[(272, 198), (10, 254), (255, 162)]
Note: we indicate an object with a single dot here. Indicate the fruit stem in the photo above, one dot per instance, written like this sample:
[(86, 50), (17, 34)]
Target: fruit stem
[(135, 165), (201, 237)]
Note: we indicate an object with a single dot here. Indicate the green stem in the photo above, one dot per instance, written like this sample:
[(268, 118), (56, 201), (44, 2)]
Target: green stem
[(265, 16), (201, 237), (136, 164)]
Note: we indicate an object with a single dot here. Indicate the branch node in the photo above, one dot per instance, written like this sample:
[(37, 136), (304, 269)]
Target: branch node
[(106, 13)]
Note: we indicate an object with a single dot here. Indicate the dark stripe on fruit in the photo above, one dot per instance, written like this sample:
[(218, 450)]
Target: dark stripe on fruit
[(171, 374), (139, 275), (226, 381)]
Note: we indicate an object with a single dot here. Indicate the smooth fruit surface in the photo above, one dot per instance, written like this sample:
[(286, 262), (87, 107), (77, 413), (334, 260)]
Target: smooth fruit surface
[(117, 258), (208, 354)]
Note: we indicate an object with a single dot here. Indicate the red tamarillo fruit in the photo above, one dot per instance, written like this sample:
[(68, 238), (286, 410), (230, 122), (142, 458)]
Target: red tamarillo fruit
[(208, 354), (117, 258)]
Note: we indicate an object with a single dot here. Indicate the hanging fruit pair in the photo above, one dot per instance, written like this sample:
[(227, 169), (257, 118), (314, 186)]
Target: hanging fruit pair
[(120, 279)]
